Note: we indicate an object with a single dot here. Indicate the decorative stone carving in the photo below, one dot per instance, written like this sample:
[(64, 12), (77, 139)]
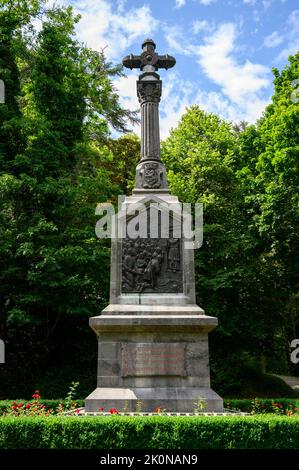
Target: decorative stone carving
[(151, 265), (149, 91), (151, 175)]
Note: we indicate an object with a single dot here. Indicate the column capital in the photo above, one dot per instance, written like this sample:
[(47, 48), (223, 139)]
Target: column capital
[(149, 91)]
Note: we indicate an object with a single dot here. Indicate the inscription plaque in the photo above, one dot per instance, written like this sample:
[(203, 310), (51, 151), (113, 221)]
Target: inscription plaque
[(140, 359)]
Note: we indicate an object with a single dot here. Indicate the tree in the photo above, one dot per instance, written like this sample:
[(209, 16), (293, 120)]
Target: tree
[(52, 265), (125, 155), (233, 282), (271, 150)]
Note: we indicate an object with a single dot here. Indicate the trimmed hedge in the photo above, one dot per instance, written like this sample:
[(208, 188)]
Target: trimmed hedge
[(158, 432)]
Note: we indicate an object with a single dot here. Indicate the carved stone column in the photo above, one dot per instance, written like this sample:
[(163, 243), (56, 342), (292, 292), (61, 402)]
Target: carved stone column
[(149, 94), (150, 173)]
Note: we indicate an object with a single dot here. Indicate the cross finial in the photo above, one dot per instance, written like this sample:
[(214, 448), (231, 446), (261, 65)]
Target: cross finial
[(149, 60)]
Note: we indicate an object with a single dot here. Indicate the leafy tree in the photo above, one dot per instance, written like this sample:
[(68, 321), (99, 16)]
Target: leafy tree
[(233, 282), (270, 182), (52, 265), (125, 155)]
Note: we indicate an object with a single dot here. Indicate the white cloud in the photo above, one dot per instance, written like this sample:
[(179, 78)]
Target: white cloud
[(273, 40), (206, 2), (126, 88), (117, 28), (241, 84), (201, 25), (180, 3), (177, 40), (177, 95), (249, 2), (293, 21), (292, 37)]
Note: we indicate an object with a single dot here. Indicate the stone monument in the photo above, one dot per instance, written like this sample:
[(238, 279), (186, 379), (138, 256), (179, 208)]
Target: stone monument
[(152, 337)]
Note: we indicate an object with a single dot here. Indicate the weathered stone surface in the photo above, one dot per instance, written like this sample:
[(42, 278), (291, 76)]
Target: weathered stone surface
[(153, 359), (167, 266), (152, 337), (170, 399)]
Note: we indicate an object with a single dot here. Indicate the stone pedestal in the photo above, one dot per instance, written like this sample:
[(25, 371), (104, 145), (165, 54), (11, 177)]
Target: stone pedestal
[(153, 340), (153, 354)]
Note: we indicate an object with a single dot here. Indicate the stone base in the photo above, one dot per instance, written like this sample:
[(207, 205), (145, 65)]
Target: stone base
[(157, 355), (169, 399)]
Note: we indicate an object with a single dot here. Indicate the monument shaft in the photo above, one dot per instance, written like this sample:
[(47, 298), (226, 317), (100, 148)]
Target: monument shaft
[(150, 134)]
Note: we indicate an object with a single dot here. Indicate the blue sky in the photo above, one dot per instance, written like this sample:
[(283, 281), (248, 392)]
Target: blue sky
[(225, 49)]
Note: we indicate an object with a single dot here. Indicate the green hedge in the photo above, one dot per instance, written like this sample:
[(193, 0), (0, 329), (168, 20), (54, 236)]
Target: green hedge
[(158, 432)]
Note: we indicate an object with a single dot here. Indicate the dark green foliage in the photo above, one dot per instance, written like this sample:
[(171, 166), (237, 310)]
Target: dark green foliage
[(52, 266), (113, 432), (237, 379)]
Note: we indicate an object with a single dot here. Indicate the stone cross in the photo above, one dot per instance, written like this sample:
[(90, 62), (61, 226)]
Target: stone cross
[(150, 173)]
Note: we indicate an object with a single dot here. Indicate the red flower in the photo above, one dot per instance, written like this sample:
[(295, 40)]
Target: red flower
[(20, 405), (77, 411), (14, 407), (28, 406), (295, 409), (101, 409), (43, 407), (113, 411)]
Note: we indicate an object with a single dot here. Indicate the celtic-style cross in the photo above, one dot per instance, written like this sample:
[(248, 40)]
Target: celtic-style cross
[(150, 172), (149, 58)]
